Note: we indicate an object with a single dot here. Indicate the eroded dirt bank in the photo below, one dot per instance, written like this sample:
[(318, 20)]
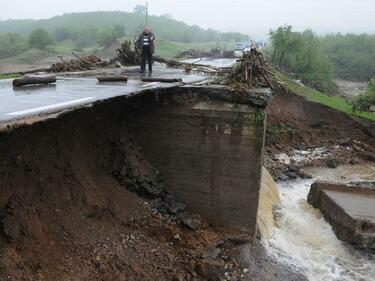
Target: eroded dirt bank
[(66, 212), (310, 134)]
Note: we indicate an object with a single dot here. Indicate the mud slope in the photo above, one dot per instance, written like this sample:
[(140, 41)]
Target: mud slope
[(62, 213), (296, 123), (64, 216)]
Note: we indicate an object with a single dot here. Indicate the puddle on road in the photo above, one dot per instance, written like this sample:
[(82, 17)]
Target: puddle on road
[(305, 241)]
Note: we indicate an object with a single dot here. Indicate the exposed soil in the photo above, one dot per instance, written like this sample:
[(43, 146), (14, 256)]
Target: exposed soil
[(66, 212), (295, 123)]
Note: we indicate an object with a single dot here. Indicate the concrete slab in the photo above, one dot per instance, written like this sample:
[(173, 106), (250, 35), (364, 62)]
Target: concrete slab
[(79, 89), (349, 208)]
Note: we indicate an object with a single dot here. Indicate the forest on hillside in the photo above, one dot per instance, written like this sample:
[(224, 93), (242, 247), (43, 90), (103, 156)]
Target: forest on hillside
[(101, 28), (318, 59)]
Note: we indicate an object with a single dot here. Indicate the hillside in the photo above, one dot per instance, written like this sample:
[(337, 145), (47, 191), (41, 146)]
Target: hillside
[(165, 26)]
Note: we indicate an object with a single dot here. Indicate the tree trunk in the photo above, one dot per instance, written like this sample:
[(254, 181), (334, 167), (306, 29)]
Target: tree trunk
[(164, 80), (34, 80), (112, 78)]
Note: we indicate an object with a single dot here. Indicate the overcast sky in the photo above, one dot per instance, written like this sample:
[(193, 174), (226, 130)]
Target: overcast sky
[(253, 17)]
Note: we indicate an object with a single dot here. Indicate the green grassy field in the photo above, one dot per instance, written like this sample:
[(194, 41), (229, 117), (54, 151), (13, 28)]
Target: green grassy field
[(164, 48), (170, 49), (335, 102), (9, 76)]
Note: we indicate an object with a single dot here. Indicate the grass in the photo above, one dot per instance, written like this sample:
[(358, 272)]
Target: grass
[(338, 103), (9, 76), (164, 48), (170, 49)]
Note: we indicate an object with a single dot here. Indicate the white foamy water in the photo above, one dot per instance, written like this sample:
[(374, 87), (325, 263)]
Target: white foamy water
[(305, 241)]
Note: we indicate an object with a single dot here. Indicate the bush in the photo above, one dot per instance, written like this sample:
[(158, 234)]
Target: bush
[(107, 37), (40, 39), (365, 101), (12, 44)]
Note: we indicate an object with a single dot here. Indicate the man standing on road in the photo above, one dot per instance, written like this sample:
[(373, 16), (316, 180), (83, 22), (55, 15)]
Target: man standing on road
[(146, 46)]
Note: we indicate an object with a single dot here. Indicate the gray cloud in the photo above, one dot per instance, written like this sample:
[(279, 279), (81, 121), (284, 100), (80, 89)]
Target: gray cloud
[(253, 17)]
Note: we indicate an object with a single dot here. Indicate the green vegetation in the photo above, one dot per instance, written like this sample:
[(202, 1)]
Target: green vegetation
[(316, 60), (168, 49), (366, 100), (99, 33), (337, 103), (353, 56), (9, 76), (108, 37), (40, 39), (91, 24), (12, 44), (301, 53)]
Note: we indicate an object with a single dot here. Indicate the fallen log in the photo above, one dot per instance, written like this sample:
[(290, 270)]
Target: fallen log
[(112, 78), (163, 80), (34, 80)]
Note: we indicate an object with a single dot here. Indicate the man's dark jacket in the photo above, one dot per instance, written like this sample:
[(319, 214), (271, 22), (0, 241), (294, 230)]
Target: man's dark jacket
[(151, 37)]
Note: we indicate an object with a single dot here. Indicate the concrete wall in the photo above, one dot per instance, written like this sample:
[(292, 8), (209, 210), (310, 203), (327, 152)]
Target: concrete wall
[(210, 153), (207, 147)]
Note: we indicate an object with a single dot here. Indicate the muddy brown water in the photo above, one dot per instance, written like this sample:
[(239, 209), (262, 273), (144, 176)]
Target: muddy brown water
[(306, 242)]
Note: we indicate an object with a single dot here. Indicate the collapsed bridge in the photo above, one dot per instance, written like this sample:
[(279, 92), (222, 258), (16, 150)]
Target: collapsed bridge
[(201, 144)]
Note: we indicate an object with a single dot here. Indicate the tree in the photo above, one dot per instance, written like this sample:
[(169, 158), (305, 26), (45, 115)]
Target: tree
[(140, 9), (40, 39), (366, 100), (302, 54), (283, 40), (12, 44), (107, 37)]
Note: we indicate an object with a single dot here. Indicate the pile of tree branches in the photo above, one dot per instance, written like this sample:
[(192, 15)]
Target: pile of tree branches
[(213, 53), (79, 64), (252, 71), (126, 55)]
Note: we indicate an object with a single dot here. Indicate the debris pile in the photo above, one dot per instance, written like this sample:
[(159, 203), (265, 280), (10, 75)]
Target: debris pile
[(213, 53), (79, 64), (252, 70), (125, 55)]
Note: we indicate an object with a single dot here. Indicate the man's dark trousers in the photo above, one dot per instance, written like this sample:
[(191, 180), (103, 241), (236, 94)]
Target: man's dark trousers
[(146, 55)]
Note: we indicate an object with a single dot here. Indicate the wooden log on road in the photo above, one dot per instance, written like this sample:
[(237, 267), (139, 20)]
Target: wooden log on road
[(112, 78), (163, 80), (34, 80)]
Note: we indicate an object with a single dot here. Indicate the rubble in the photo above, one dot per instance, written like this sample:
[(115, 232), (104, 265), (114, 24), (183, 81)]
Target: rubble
[(213, 53), (349, 208)]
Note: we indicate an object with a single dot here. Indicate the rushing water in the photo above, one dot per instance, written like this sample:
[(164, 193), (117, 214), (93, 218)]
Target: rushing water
[(305, 241)]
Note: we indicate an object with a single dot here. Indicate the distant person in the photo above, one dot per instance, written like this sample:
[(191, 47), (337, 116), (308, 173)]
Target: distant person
[(146, 46)]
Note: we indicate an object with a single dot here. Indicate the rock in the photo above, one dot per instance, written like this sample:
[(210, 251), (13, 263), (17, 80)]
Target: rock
[(293, 168), (354, 161), (344, 141), (332, 163), (237, 240), (356, 147), (283, 178), (368, 156), (292, 175), (192, 221), (152, 191), (305, 175), (176, 207), (210, 270)]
